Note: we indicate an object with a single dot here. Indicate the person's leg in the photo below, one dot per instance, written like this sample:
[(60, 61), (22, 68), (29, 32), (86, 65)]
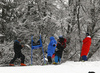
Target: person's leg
[(49, 59), (59, 59), (22, 59), (84, 58), (13, 60), (56, 59)]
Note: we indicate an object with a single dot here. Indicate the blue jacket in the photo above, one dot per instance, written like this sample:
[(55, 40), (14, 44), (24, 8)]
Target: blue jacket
[(51, 46)]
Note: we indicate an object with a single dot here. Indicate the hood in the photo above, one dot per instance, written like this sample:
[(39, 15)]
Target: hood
[(52, 38), (89, 36)]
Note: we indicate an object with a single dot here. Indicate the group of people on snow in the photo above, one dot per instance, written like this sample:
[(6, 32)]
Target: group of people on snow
[(54, 50)]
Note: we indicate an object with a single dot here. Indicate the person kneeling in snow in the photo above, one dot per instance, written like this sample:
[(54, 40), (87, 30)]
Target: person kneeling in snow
[(51, 49), (18, 54), (86, 47), (61, 45)]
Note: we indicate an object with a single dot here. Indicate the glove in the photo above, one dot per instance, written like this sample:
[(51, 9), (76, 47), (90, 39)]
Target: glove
[(22, 45), (54, 45), (56, 50)]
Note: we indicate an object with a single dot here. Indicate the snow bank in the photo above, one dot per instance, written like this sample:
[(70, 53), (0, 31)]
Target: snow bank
[(68, 67)]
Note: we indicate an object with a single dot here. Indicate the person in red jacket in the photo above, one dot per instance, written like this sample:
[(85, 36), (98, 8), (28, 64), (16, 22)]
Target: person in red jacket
[(86, 47)]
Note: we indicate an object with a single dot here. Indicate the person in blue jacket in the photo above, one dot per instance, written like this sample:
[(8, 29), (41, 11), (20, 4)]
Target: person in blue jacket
[(51, 49)]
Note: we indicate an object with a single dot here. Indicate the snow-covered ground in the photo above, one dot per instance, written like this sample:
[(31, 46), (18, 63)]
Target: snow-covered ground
[(68, 67)]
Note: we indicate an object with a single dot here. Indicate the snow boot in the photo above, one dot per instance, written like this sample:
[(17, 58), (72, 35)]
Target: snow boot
[(22, 64), (11, 64), (55, 63)]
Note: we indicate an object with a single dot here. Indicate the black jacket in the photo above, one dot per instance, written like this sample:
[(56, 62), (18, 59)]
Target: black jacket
[(60, 48), (17, 47)]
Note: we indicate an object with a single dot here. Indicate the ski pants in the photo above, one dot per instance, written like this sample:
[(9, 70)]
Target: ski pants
[(20, 55), (49, 59), (84, 58), (57, 59)]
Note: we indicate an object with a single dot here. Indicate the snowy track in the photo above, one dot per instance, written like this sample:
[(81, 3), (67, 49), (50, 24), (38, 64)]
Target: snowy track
[(68, 67)]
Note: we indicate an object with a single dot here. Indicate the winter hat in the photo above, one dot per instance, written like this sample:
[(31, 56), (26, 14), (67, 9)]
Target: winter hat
[(19, 39), (87, 34), (60, 36)]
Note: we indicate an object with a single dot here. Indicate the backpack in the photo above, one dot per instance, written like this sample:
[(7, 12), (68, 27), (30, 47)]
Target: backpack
[(64, 43)]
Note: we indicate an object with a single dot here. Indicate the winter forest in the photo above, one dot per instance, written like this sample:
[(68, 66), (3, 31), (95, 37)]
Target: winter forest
[(70, 18)]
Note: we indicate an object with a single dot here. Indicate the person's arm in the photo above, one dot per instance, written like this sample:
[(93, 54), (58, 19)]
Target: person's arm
[(63, 46), (85, 40), (20, 46), (53, 43)]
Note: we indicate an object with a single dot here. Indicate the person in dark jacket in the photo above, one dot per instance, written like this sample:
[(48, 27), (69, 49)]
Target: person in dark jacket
[(51, 49), (61, 44), (18, 53), (86, 47)]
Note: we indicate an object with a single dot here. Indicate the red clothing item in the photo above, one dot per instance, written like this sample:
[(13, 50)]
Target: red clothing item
[(64, 43), (86, 46)]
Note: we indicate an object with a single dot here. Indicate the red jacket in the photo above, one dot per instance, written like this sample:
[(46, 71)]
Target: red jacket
[(86, 46)]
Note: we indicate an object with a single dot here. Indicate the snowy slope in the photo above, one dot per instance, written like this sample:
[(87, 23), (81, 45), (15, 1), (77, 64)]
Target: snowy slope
[(68, 67)]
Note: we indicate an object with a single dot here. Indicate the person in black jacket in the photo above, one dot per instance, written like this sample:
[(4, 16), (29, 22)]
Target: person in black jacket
[(18, 54), (61, 45)]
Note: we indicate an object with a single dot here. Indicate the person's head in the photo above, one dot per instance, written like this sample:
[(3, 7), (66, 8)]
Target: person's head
[(52, 38), (19, 39), (60, 36), (87, 34)]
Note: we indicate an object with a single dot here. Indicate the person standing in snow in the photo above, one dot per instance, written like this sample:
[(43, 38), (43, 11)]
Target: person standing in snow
[(18, 53), (86, 47), (51, 49), (61, 45)]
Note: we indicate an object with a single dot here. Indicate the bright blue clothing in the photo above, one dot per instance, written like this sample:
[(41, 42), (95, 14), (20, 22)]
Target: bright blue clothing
[(84, 58), (51, 46), (57, 59)]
